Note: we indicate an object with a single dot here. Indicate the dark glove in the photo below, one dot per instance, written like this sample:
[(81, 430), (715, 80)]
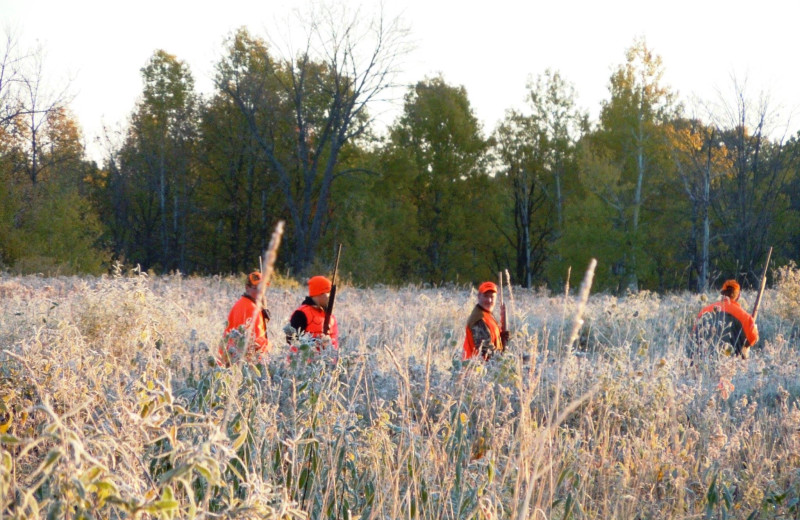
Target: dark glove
[(504, 337), (266, 315)]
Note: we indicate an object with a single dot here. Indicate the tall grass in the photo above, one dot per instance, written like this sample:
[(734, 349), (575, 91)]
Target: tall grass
[(109, 408)]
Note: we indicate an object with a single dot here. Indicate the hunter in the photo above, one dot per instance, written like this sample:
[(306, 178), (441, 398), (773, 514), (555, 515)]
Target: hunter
[(484, 336), (246, 332), (310, 316), (727, 322)]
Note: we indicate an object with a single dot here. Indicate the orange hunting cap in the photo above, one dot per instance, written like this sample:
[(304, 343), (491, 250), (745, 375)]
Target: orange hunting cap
[(487, 287), (730, 289), (318, 285), (254, 278)]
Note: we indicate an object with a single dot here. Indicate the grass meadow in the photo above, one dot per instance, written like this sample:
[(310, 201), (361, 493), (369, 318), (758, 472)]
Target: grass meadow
[(110, 408)]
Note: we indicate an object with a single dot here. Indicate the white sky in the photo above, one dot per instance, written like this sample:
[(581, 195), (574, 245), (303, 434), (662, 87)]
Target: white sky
[(489, 47)]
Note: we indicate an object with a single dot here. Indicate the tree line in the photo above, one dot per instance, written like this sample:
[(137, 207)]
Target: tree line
[(666, 198)]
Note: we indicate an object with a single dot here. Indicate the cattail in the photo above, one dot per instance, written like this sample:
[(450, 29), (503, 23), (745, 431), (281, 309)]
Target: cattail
[(267, 264), (566, 291), (582, 299), (510, 292), (270, 255)]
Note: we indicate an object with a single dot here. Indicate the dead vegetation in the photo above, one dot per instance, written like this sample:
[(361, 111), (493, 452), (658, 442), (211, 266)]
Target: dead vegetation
[(110, 409)]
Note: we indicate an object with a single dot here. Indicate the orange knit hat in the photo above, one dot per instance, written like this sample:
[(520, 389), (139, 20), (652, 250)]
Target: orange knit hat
[(318, 285), (731, 289), (487, 287)]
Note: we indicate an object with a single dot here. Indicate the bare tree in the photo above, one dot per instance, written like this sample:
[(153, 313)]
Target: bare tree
[(28, 106), (11, 62), (752, 197), (27, 102), (304, 108)]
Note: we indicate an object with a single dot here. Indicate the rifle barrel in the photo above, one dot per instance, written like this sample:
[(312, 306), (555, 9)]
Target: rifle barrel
[(329, 309), (503, 318), (762, 286)]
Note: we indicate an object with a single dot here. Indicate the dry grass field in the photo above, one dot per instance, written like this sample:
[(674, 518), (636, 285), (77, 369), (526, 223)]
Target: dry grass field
[(111, 409)]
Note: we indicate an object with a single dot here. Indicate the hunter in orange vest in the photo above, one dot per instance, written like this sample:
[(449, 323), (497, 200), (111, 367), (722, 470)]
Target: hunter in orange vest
[(310, 316), (483, 333), (246, 332), (726, 322)]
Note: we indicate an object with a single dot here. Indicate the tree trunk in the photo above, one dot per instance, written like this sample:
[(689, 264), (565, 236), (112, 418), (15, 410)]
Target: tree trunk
[(162, 206), (706, 203)]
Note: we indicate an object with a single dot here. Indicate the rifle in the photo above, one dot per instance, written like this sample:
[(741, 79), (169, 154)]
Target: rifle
[(329, 309), (762, 286), (503, 320)]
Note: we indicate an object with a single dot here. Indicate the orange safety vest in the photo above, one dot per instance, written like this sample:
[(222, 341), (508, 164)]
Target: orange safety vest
[(247, 315), (315, 319), (478, 314), (733, 309)]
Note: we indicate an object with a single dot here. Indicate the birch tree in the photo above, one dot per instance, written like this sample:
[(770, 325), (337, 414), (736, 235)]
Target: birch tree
[(700, 161), (631, 124), (537, 154)]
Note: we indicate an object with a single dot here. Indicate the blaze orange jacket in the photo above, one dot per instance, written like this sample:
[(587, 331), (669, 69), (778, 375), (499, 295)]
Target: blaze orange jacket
[(310, 318), (483, 334), (742, 325), (246, 318)]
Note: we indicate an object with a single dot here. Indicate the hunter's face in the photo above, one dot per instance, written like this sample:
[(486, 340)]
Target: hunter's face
[(486, 300), (321, 299)]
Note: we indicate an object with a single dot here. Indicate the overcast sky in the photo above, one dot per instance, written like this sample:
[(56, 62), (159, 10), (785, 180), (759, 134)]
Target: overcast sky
[(491, 48)]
